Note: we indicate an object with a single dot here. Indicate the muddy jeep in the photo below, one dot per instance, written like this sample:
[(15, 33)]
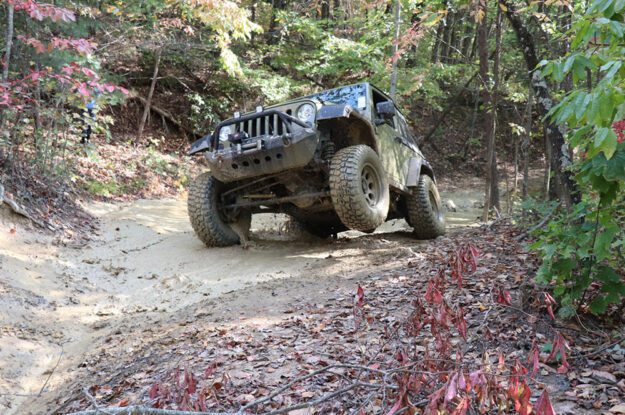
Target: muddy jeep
[(336, 160)]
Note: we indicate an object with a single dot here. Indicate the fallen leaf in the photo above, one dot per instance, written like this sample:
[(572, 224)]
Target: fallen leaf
[(602, 376), (618, 409)]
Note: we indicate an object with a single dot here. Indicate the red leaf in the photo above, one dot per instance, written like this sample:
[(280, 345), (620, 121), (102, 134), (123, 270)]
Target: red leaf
[(452, 388), (153, 391), (82, 90), (396, 407), (462, 383), (533, 359), (190, 381), (88, 72), (462, 407), (543, 405), (434, 400), (360, 296), (549, 300), (210, 370), (432, 294), (461, 323), (560, 345), (503, 297), (123, 402)]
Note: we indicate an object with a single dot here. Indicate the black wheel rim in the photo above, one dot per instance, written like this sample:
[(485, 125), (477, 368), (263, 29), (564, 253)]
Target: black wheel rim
[(371, 185)]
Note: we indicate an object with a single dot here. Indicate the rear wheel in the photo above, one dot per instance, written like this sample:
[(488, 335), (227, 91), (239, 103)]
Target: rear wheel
[(211, 222), (424, 210), (359, 188)]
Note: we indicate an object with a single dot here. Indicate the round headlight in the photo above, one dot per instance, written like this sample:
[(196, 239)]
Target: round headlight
[(306, 113), (224, 132)]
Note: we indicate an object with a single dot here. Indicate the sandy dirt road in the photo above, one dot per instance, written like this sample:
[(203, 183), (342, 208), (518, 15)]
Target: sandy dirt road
[(57, 300)]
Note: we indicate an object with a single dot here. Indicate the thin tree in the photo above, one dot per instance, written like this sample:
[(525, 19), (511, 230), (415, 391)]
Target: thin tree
[(492, 147), (395, 49), (8, 42), (487, 99), (148, 102), (525, 144)]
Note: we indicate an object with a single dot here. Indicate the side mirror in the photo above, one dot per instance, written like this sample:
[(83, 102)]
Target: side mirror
[(386, 109)]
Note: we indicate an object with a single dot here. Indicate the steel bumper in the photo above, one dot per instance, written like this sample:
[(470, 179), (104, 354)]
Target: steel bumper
[(258, 156)]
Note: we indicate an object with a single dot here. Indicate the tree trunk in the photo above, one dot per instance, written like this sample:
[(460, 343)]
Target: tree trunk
[(324, 10), (36, 104), (336, 9), (494, 172), (566, 188), (446, 36), (473, 45), (525, 144), (272, 33), (395, 48), (565, 25), (547, 188), (253, 19), (8, 42), (467, 40), (487, 101), (437, 41), (453, 38), (146, 109)]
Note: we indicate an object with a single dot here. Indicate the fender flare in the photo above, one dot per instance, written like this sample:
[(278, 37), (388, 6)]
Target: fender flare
[(198, 146), (416, 167), (328, 113)]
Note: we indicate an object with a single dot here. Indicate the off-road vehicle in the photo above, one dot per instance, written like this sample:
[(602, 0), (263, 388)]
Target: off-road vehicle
[(336, 160)]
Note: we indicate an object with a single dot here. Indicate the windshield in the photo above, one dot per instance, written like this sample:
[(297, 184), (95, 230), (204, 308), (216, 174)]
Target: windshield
[(354, 95)]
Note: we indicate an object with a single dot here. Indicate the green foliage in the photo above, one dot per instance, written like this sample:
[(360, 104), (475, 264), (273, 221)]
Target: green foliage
[(205, 110), (582, 249), (105, 189)]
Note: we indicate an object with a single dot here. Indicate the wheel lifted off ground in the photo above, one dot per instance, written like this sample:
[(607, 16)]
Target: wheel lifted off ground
[(359, 188)]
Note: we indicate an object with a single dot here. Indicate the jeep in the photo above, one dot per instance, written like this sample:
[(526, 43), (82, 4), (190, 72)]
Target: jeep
[(340, 159)]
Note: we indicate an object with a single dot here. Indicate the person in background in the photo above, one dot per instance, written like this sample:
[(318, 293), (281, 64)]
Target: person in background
[(89, 112)]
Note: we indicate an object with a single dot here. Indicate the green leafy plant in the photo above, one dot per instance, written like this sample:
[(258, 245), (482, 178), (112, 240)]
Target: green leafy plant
[(582, 248)]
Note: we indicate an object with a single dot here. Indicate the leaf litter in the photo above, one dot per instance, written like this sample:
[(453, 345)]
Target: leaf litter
[(363, 330)]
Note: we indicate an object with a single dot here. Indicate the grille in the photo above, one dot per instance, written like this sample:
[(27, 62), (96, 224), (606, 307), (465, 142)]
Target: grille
[(264, 125)]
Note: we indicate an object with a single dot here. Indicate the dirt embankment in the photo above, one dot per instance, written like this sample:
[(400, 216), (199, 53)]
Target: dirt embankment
[(59, 300)]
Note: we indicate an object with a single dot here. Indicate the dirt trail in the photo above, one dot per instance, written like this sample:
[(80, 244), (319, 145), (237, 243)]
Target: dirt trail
[(56, 300)]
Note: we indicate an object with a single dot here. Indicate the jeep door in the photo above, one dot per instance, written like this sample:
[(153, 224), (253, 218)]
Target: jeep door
[(394, 147)]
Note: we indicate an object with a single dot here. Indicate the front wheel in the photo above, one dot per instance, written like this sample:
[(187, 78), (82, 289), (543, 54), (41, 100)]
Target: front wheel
[(359, 188), (213, 224), (424, 210)]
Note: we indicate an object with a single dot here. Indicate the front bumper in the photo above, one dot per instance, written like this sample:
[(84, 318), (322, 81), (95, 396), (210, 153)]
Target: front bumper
[(291, 146)]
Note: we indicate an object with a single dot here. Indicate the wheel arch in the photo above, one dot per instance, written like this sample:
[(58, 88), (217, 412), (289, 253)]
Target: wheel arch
[(359, 129)]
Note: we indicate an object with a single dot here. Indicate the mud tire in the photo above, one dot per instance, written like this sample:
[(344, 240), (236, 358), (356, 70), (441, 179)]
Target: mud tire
[(425, 210), (206, 220), (352, 170)]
